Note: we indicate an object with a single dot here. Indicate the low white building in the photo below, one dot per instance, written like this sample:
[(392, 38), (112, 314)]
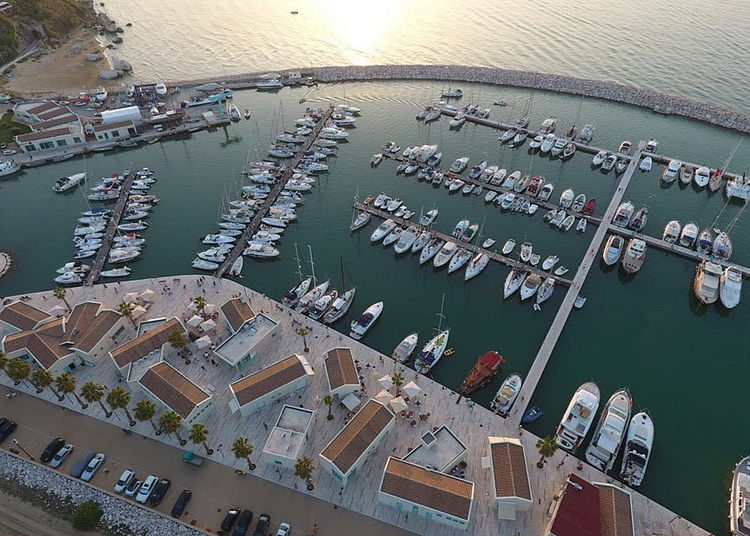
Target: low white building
[(288, 438), (53, 127), (433, 495), (250, 334), (510, 477), (440, 450), (118, 115), (346, 452), (172, 391), (269, 384), (114, 131), (341, 372)]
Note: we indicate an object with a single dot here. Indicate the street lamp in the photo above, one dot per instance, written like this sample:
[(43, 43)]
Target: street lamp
[(16, 443)]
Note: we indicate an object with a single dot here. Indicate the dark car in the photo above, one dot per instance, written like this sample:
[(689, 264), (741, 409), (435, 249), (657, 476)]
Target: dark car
[(7, 428), (181, 503), (243, 523), (160, 490), (229, 520), (54, 446), (261, 529), (81, 464)]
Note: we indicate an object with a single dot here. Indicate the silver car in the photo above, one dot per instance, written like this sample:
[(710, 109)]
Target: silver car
[(125, 479), (63, 453), (93, 466)]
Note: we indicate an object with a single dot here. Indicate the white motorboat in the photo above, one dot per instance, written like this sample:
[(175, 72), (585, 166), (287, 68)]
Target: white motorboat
[(452, 93), (506, 395), (567, 223), (421, 241), (530, 285), (133, 226), (578, 203), (621, 165), (459, 259), (518, 139), (707, 282), (548, 125), (672, 232), (609, 162), (432, 352), (547, 144), (613, 250), (380, 200), (557, 217), (527, 249), (561, 270), (635, 254), (260, 250), (322, 304), (383, 230), (116, 272), (566, 198), (213, 254), (702, 176), (445, 254), (272, 84), (69, 278), (738, 187), (730, 287), (490, 197), (8, 167), (536, 143), (639, 219), (651, 146), (689, 235), (339, 307), (559, 146), (66, 183), (459, 164), (457, 121), (309, 298), (74, 267), (581, 227), (237, 266), (365, 321), (510, 181), (646, 164), (521, 184), (488, 243), (610, 431), (406, 240), (431, 249), (705, 242), (507, 135), (202, 264), (513, 282), (405, 348), (460, 228), (508, 201), (624, 214), (362, 219), (117, 255), (599, 158), (478, 263), (499, 176), (218, 239), (578, 417), (477, 170), (550, 262), (535, 258), (545, 290), (546, 192), (508, 247), (625, 147), (639, 443), (672, 171), (393, 236), (393, 205), (274, 222)]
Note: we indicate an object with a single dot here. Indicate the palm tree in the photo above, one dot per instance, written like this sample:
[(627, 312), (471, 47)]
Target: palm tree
[(200, 304), (94, 392), (17, 370), (304, 332), (398, 381), (60, 293), (43, 378), (547, 447), (177, 339), (199, 434), (67, 384), (144, 411), (304, 469), (328, 400), (171, 423), (3, 360), (242, 448), (119, 397), (126, 309)]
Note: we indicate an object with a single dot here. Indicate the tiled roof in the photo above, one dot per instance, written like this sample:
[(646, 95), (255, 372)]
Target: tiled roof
[(22, 315), (62, 120), (42, 107), (340, 368), (268, 379), (34, 136), (578, 513), (110, 126), (432, 489), (359, 433), (509, 467), (175, 390), (616, 511), (54, 112), (146, 343), (87, 324), (43, 342), (237, 313)]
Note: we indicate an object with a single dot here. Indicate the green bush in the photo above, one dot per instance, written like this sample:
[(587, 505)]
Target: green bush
[(87, 515)]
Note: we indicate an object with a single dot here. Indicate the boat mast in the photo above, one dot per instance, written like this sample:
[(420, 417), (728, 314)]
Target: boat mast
[(299, 263), (440, 315), (312, 266)]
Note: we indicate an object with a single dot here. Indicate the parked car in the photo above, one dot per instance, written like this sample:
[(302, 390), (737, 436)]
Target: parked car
[(181, 502), (125, 479), (49, 453), (229, 520), (285, 529), (93, 466), (243, 523), (61, 455), (133, 487), (261, 529), (9, 152), (6, 428), (146, 489), (81, 464), (160, 490)]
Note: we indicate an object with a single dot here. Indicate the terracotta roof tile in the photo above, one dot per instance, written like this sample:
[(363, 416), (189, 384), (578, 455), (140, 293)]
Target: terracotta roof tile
[(268, 379), (22, 315), (146, 343), (340, 368), (110, 126), (42, 107), (167, 384), (43, 343), (616, 511), (237, 313), (509, 466), (34, 136), (578, 513)]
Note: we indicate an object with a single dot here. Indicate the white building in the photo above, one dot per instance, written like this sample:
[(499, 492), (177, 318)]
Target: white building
[(53, 127), (346, 452), (510, 477), (115, 131), (341, 373), (269, 384), (440, 450), (288, 437), (172, 391), (251, 334), (418, 491), (149, 347), (130, 113)]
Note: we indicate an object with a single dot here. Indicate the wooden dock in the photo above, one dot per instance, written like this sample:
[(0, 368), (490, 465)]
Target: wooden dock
[(550, 340), (254, 224), (101, 255)]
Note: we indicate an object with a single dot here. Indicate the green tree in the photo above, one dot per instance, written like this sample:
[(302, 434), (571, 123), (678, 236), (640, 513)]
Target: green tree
[(94, 392), (199, 434), (200, 304), (87, 515), (304, 332), (17, 370), (398, 381), (43, 378), (242, 448), (119, 398), (126, 309), (177, 339), (303, 469), (67, 385), (3, 360), (328, 400), (547, 447), (171, 423), (60, 294), (144, 411)]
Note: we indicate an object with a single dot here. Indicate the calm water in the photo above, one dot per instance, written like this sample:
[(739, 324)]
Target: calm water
[(682, 362), (685, 47)]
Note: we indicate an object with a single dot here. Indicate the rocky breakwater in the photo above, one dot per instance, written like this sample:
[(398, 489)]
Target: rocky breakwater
[(645, 98), (61, 495)]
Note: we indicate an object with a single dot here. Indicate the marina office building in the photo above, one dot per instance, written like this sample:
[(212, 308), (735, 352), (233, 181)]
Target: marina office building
[(510, 477), (52, 127)]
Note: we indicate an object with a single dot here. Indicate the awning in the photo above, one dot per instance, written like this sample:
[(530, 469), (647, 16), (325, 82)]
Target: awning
[(138, 311), (131, 297), (411, 389), (148, 294), (209, 308), (203, 342), (57, 310), (208, 325), (384, 397), (398, 404), (195, 321), (350, 401), (386, 382)]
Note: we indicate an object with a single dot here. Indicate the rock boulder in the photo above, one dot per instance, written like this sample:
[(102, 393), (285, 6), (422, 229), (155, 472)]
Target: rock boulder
[(110, 74)]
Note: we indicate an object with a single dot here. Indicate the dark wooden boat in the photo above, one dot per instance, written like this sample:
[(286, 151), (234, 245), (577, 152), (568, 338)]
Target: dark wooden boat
[(483, 371)]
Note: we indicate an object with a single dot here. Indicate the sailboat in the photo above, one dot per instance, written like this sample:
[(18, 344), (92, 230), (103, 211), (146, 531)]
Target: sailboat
[(435, 347), (342, 303)]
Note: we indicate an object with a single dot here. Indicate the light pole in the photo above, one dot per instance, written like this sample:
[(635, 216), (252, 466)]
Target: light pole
[(16, 443)]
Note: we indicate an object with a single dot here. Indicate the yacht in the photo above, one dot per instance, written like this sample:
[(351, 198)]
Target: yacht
[(526, 250), (547, 144), (613, 250), (421, 241), (393, 236), (638, 445), (569, 151), (587, 133), (432, 352), (66, 183), (599, 158), (202, 264), (639, 219), (610, 431), (702, 176), (738, 187), (671, 171), (365, 321), (445, 254), (634, 256), (116, 272), (536, 143), (566, 198), (506, 395), (548, 125), (646, 164), (689, 235), (362, 219), (624, 214), (457, 121), (405, 348), (513, 282), (559, 146), (546, 192), (458, 260), (739, 508), (672, 232), (260, 250), (730, 287), (383, 229), (459, 164), (322, 304), (478, 263), (431, 249), (722, 246), (707, 281), (269, 85), (510, 181), (508, 247), (406, 240), (686, 174), (550, 262), (578, 417), (530, 286), (310, 297)]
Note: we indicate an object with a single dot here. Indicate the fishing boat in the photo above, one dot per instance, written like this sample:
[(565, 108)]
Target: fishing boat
[(432, 352), (707, 282), (599, 158), (513, 282), (646, 164), (530, 285), (566, 198), (546, 289), (550, 262), (531, 414), (686, 174), (639, 219), (689, 235), (508, 247), (672, 171), (506, 395), (624, 214), (383, 230), (527, 249), (635, 254), (730, 287), (578, 417), (613, 250), (639, 443), (705, 242), (672, 232), (430, 249), (365, 321), (722, 248), (482, 372), (445, 254), (610, 431), (405, 348), (702, 177), (66, 183)]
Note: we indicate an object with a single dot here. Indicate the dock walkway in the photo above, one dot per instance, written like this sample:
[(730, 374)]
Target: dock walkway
[(101, 255)]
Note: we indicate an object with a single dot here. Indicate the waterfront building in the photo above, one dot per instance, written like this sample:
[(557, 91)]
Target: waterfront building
[(269, 384), (510, 477), (341, 373), (150, 346), (423, 492), (58, 343), (288, 438), (346, 452), (440, 450), (118, 115), (52, 126), (250, 334), (114, 131)]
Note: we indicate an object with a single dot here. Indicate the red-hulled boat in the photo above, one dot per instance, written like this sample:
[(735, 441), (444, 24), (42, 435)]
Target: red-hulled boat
[(589, 207), (483, 371)]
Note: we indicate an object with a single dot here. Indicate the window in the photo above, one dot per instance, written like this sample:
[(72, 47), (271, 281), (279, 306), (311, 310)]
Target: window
[(115, 133), (47, 145), (62, 143), (29, 148), (76, 139)]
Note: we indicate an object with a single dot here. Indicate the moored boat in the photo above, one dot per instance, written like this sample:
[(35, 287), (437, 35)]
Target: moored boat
[(635, 254), (365, 321), (405, 348), (513, 282), (432, 352), (672, 232), (578, 417), (610, 431), (689, 235), (339, 307), (506, 395), (637, 451), (707, 282), (482, 372), (730, 287), (613, 249)]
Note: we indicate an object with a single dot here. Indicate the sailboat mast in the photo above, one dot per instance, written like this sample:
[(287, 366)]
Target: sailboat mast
[(299, 262), (312, 266), (440, 314)]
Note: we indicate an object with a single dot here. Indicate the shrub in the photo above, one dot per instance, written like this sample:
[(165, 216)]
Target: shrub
[(87, 515)]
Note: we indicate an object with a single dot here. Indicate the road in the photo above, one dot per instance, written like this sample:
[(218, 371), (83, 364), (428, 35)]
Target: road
[(215, 487)]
